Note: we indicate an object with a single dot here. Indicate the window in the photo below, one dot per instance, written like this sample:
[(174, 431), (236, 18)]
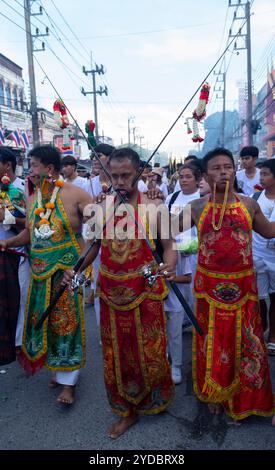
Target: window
[(21, 100), (8, 94), (15, 99)]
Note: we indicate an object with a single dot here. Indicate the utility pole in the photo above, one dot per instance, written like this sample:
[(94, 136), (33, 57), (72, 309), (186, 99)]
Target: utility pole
[(134, 134), (220, 87), (76, 133), (247, 47), (249, 75), (141, 137), (223, 110), (130, 119), (30, 51), (101, 91)]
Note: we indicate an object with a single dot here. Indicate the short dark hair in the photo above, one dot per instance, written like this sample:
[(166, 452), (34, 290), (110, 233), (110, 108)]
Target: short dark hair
[(215, 153), (69, 160), (106, 149), (48, 155), (156, 165), (197, 164), (249, 151), (190, 157), (196, 171), (7, 155), (144, 165), (270, 164), (126, 152)]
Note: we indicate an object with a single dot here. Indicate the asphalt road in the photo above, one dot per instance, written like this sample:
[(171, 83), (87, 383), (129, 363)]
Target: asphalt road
[(30, 418)]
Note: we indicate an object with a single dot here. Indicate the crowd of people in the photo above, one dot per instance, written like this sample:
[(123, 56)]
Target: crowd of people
[(221, 257)]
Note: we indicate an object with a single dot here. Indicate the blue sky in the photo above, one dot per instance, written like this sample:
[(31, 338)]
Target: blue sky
[(156, 52)]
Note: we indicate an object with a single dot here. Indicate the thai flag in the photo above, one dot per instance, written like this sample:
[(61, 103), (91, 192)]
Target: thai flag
[(24, 140), (15, 137), (2, 136)]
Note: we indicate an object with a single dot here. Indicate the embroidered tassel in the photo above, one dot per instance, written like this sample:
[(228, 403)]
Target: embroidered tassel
[(217, 394)]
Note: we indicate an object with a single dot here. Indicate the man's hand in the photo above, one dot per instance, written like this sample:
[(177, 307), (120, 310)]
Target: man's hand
[(155, 194), (168, 271), (67, 278), (99, 198), (3, 245)]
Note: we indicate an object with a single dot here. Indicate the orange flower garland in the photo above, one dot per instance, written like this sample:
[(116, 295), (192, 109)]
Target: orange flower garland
[(44, 231)]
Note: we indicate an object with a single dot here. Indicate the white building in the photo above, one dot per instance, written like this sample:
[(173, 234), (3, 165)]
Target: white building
[(13, 107), (14, 113), (12, 98)]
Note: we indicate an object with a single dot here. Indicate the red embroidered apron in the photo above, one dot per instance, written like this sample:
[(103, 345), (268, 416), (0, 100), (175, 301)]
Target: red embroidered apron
[(229, 361), (136, 371)]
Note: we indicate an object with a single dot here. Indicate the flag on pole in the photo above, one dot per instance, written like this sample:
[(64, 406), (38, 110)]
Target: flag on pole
[(24, 140), (14, 135)]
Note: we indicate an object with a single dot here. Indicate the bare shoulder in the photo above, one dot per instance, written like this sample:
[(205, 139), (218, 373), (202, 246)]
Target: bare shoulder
[(197, 207), (75, 193), (250, 204)]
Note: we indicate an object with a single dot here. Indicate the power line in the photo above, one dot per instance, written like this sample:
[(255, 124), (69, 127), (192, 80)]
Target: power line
[(69, 71), (57, 28), (68, 25), (52, 51), (11, 21), (22, 6)]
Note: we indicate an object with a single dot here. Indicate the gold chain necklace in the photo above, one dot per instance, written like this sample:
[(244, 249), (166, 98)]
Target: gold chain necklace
[(218, 226)]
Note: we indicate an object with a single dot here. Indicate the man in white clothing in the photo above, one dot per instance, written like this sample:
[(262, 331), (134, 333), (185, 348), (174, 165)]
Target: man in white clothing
[(69, 166), (249, 177), (142, 184), (189, 177), (100, 183), (264, 252)]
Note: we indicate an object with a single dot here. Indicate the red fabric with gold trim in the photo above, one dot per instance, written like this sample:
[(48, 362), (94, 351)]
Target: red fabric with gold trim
[(230, 361), (137, 373), (136, 370)]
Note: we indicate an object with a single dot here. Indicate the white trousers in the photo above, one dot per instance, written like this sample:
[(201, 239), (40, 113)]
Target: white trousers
[(67, 378), (24, 279), (174, 336)]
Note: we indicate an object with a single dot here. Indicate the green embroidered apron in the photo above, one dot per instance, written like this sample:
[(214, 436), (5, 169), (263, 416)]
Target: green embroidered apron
[(60, 343)]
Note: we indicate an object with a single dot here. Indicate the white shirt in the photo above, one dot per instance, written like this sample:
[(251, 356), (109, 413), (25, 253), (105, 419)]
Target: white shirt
[(78, 181), (248, 184), (262, 247), (177, 187), (142, 187), (163, 188), (93, 186), (177, 206), (172, 303)]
